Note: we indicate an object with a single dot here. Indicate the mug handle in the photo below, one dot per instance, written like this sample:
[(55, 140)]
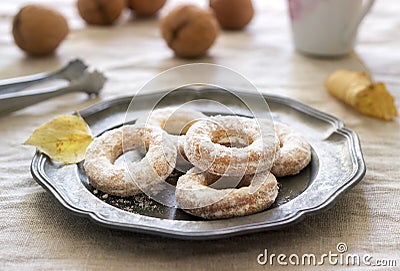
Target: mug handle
[(358, 19)]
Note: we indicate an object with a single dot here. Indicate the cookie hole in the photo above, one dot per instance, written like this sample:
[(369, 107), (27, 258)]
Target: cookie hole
[(226, 182), (176, 128), (231, 139), (132, 156)]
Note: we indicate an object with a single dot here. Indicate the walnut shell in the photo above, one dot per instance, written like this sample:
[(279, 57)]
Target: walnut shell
[(146, 8), (39, 30), (100, 12), (233, 14), (189, 31)]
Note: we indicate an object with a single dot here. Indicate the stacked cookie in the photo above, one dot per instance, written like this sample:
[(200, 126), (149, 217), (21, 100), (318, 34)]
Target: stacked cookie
[(234, 160)]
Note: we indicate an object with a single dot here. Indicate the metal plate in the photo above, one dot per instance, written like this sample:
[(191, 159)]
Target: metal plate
[(337, 165)]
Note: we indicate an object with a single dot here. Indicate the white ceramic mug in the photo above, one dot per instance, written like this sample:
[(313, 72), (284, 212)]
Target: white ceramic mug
[(326, 27)]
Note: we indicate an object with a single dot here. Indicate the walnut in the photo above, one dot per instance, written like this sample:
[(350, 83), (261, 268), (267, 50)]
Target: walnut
[(189, 31), (233, 14), (146, 8), (101, 12), (39, 30)]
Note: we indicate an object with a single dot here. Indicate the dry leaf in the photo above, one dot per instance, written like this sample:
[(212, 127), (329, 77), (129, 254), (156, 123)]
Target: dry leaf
[(63, 139), (357, 90)]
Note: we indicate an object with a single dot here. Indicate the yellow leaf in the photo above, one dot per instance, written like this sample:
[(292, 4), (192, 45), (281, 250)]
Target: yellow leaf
[(63, 139), (357, 90)]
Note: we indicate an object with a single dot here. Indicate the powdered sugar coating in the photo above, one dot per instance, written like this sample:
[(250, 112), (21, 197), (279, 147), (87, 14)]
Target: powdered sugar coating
[(295, 152), (154, 168), (175, 121), (257, 142), (195, 195)]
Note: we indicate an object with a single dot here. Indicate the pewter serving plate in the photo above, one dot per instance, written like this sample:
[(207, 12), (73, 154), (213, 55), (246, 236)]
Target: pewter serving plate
[(337, 165)]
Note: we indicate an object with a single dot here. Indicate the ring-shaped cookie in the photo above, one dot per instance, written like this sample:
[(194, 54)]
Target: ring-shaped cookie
[(231, 145), (175, 121), (152, 169), (196, 196), (294, 154)]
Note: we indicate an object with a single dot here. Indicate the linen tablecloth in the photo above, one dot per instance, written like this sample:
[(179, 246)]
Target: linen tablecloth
[(37, 233)]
